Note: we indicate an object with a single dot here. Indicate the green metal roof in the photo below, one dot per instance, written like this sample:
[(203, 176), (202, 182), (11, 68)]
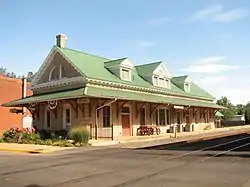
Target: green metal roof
[(179, 79), (101, 92), (218, 114), (146, 69), (140, 96), (94, 67), (114, 62), (69, 94)]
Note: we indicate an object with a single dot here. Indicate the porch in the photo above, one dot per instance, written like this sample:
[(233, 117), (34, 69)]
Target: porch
[(116, 116)]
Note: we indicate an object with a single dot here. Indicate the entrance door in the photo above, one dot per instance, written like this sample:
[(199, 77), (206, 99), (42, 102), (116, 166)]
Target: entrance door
[(126, 125)]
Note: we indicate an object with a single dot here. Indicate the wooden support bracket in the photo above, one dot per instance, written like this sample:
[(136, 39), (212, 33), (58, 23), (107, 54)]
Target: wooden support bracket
[(74, 106), (120, 107)]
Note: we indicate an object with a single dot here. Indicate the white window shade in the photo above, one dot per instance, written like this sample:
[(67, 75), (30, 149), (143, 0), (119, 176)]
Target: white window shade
[(187, 87), (126, 74), (167, 83)]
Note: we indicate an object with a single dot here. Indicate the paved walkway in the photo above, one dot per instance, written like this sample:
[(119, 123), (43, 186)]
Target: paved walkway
[(30, 148), (145, 141)]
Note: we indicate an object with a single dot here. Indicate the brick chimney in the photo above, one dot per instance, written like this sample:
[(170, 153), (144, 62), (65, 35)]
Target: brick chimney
[(61, 40)]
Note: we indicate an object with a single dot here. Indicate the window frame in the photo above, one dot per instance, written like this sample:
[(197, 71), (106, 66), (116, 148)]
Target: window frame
[(167, 116), (122, 75), (187, 87), (106, 116), (143, 111), (166, 81)]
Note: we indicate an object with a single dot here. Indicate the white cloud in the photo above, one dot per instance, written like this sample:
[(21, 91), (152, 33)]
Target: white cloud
[(210, 65), (235, 95), (210, 60), (217, 13), (155, 22), (146, 44), (212, 80)]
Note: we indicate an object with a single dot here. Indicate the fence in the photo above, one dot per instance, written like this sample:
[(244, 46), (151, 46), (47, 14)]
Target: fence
[(101, 132)]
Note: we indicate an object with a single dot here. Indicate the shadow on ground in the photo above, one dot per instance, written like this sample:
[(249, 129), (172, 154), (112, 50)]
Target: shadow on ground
[(203, 144)]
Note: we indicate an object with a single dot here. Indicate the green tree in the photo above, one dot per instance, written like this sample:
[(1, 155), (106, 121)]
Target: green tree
[(3, 71), (231, 109), (247, 113), (240, 109)]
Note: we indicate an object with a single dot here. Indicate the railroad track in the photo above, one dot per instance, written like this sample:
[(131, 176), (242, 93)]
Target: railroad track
[(136, 180)]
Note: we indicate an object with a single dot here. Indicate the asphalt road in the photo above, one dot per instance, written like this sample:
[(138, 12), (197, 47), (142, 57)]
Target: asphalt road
[(201, 164)]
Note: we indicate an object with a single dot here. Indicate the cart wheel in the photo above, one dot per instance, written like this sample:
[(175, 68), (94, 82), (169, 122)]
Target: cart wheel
[(139, 131), (158, 131)]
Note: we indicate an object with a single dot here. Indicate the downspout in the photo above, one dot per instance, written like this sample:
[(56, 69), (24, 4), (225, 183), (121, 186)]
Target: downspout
[(96, 111), (24, 91)]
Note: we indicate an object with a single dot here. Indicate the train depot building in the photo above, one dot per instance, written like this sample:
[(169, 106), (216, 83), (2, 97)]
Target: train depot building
[(113, 97)]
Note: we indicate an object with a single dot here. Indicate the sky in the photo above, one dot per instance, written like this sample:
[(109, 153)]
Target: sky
[(207, 40)]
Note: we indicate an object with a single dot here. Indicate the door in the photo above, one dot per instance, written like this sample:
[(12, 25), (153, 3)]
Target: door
[(126, 125), (66, 117)]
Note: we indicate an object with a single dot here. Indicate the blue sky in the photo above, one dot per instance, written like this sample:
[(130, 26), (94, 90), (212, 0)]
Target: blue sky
[(208, 40)]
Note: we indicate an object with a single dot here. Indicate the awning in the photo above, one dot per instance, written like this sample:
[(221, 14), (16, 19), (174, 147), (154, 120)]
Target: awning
[(140, 96), (218, 114), (100, 92), (46, 97)]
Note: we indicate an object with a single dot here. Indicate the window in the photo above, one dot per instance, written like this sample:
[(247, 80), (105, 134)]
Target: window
[(125, 110), (53, 75), (179, 118), (62, 72), (186, 87), (106, 116), (126, 74), (155, 81), (143, 116), (162, 117), (161, 82), (167, 83), (48, 117), (67, 116)]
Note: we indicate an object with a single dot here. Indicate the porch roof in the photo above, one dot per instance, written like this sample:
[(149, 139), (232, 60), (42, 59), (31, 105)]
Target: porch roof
[(68, 94), (140, 96), (101, 92)]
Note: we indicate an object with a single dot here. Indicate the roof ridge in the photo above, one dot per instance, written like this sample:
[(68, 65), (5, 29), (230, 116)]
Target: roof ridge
[(115, 59), (180, 76), (148, 64), (82, 52)]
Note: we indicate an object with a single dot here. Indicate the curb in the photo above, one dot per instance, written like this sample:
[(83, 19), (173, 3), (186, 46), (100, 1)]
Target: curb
[(31, 151), (217, 136), (191, 139)]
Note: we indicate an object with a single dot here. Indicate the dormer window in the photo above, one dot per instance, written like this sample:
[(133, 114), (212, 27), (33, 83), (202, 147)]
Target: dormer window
[(187, 87), (167, 83), (155, 81), (125, 74), (161, 82)]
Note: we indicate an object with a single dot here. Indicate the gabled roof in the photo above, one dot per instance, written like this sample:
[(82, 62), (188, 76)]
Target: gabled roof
[(116, 62), (146, 69), (93, 67), (179, 79)]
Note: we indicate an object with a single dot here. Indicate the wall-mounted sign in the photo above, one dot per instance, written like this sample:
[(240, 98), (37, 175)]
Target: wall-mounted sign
[(27, 122), (179, 107)]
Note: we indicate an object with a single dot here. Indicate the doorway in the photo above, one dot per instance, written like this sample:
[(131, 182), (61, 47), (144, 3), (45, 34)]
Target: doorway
[(126, 130)]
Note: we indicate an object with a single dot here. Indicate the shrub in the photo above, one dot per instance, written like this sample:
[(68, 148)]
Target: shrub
[(45, 134), (62, 143), (79, 135)]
